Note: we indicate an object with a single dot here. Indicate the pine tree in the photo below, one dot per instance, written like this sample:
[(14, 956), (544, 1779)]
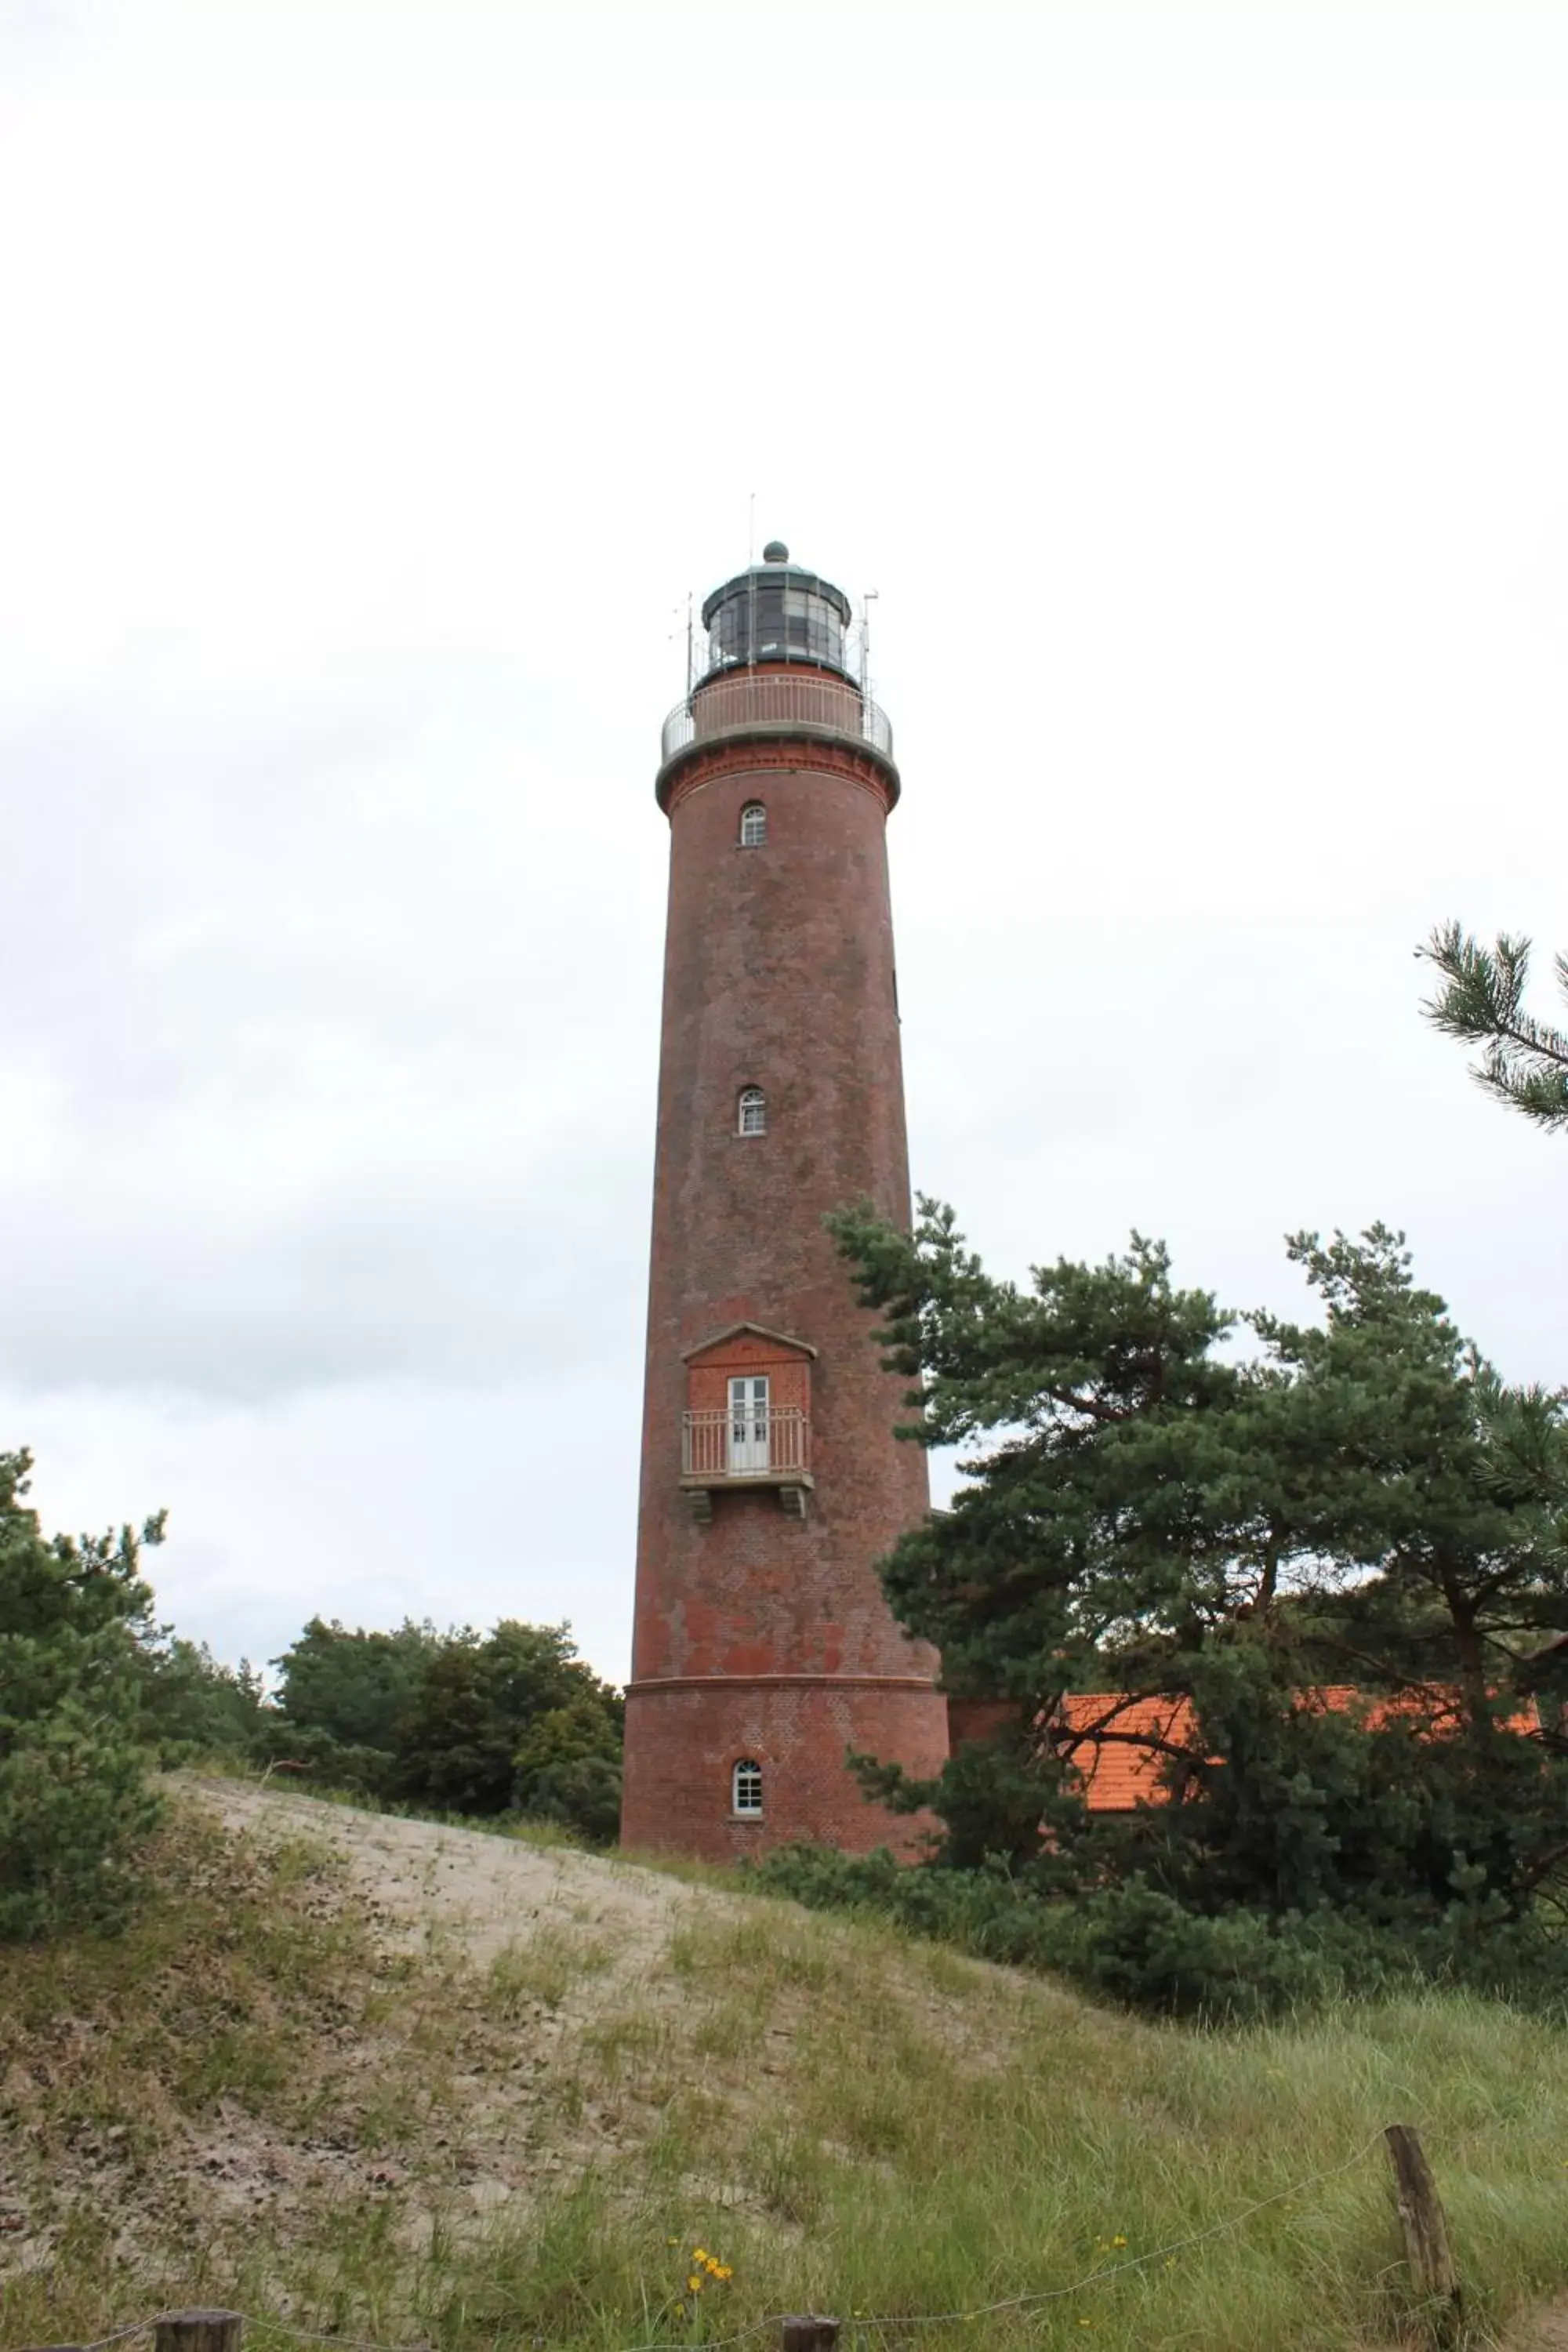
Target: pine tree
[(74, 1800), (1151, 1515), (1525, 1061)]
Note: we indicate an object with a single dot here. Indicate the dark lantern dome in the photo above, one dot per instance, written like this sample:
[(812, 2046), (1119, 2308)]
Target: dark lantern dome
[(776, 612)]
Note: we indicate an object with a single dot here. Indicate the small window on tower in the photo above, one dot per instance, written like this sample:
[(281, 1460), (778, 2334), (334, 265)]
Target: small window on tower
[(753, 825), (753, 1112), (746, 1788)]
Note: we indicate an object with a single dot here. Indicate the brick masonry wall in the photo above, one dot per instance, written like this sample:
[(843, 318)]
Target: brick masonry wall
[(688, 1740), (778, 973), (979, 1718), (788, 1374)]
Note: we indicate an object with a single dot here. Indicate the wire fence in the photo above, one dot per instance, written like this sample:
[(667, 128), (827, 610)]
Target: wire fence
[(868, 2321)]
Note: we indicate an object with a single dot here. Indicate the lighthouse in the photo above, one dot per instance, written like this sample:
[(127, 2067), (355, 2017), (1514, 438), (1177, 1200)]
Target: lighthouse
[(764, 1651)]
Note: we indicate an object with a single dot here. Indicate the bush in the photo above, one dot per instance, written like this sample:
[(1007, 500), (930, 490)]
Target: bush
[(1142, 1948), (567, 1769), (74, 1808), (313, 1756), (191, 1706), (1138, 1947), (74, 1802), (1128, 1944), (583, 1794), (457, 1722)]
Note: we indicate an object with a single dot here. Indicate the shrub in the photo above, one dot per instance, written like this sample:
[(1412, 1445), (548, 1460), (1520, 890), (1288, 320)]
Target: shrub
[(567, 1769), (1138, 1946), (74, 1807), (74, 1802)]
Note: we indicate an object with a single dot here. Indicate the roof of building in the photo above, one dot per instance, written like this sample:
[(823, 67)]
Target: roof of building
[(1122, 1744), (746, 1330)]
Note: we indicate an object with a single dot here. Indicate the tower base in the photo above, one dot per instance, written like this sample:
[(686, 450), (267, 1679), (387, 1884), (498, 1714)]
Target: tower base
[(685, 1736)]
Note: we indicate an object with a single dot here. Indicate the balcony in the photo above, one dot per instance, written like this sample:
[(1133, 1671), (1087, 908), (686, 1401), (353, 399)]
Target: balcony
[(747, 703), (766, 1446)]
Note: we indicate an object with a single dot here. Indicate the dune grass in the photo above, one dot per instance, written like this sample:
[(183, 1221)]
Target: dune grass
[(844, 2120)]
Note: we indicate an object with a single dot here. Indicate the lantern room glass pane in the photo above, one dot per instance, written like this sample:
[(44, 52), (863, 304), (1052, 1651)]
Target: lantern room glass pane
[(763, 618)]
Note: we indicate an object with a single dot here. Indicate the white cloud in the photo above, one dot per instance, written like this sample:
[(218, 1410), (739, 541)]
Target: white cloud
[(1188, 383)]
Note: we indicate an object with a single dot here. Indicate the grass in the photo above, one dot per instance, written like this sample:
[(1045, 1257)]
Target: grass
[(531, 2151), (542, 1971)]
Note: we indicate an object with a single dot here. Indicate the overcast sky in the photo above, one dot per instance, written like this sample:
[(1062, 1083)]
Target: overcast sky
[(1192, 386)]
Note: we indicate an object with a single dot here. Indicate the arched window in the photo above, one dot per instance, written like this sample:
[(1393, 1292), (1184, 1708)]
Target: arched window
[(746, 1788), (751, 1114), (753, 825)]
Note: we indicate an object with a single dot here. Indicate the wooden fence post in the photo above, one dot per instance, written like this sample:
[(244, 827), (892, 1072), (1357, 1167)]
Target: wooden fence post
[(198, 2331), (1432, 2272), (805, 2334)]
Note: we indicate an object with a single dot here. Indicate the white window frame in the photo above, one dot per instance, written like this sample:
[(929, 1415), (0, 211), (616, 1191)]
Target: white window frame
[(752, 1111), (755, 836), (746, 1788)]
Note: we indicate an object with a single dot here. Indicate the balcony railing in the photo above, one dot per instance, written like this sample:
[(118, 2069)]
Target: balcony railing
[(745, 699), (767, 1442)]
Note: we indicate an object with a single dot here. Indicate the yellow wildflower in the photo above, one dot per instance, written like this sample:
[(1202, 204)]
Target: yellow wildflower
[(1118, 2240), (694, 2284)]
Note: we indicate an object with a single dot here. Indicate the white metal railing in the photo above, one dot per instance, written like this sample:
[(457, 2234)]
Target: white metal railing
[(738, 700), (756, 1443)]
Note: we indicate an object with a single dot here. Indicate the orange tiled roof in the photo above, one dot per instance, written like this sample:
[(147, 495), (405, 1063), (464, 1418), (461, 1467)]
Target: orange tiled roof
[(1116, 1777), (1117, 1773)]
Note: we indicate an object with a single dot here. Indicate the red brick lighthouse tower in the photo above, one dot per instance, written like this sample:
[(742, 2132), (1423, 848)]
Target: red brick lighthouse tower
[(772, 1482)]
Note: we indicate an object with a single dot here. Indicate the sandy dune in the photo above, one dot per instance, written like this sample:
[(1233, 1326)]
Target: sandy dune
[(489, 1891)]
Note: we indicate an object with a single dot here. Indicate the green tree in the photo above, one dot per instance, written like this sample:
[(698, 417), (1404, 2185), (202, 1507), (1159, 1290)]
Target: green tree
[(73, 1796), (1524, 1061), (353, 1686), (1156, 1515), (1445, 1487), (567, 1768), (191, 1702), (478, 1698), (452, 1719)]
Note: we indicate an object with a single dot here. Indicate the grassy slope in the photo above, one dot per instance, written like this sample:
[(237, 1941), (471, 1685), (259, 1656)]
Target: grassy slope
[(248, 2099)]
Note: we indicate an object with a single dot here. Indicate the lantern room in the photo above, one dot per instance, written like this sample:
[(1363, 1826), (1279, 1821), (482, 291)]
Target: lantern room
[(776, 612)]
